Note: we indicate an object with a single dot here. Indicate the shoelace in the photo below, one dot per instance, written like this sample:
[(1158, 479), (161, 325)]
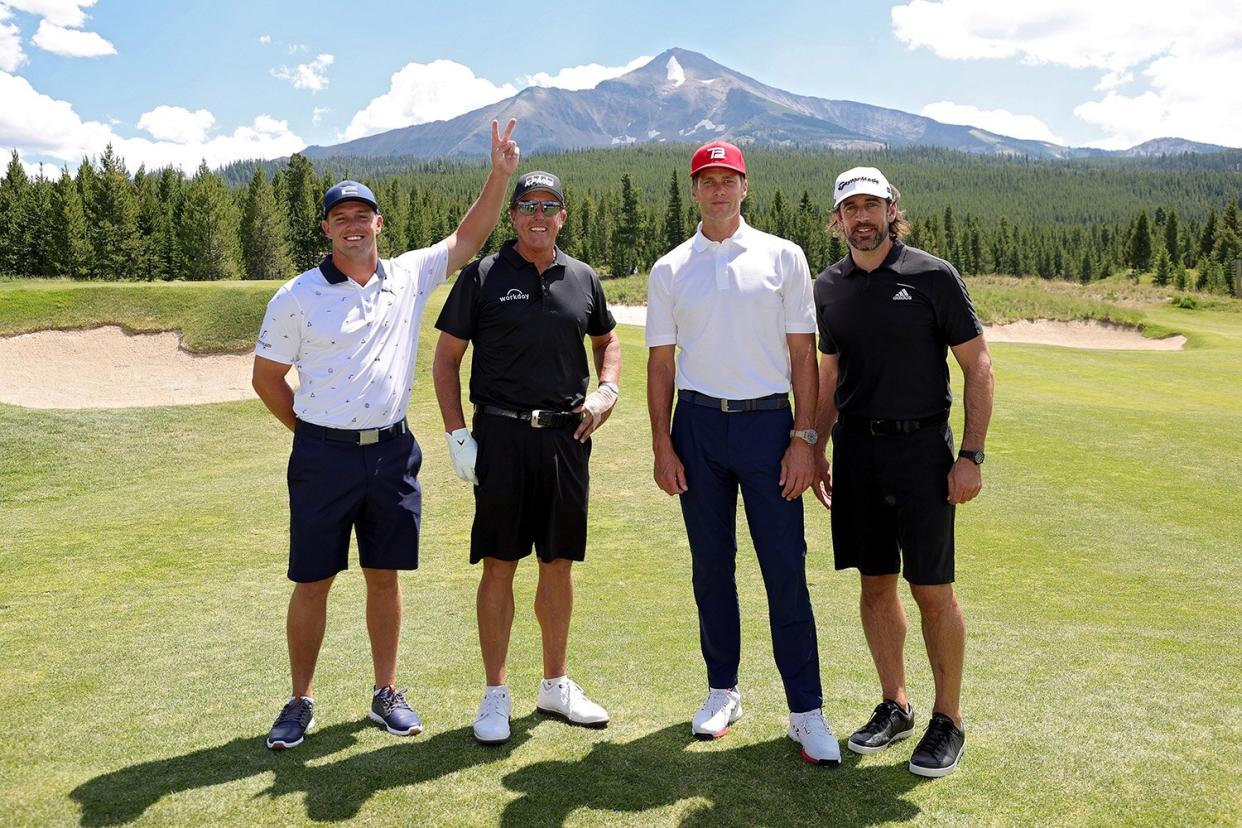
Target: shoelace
[(294, 711), (492, 703), (815, 724), (937, 735), (394, 700), (716, 701), (881, 717)]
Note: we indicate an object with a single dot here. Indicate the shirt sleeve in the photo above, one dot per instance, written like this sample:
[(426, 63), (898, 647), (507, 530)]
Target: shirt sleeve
[(796, 292), (600, 322), (429, 264), (280, 337), (955, 311), (459, 316), (827, 344), (661, 327)]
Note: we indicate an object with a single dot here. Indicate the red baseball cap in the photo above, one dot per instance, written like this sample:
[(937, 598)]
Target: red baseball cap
[(717, 154)]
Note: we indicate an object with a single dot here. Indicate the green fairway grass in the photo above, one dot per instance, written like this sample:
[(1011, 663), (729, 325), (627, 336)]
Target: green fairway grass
[(143, 596)]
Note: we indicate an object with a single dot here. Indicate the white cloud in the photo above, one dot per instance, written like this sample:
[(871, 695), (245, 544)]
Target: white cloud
[(11, 54), (177, 124), (583, 77), (38, 125), (1184, 62), (70, 42), (57, 12), (317, 114), (266, 40), (312, 76), (1000, 121), (419, 93)]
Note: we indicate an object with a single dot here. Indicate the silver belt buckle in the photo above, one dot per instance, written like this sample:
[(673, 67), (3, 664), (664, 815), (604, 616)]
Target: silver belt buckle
[(369, 437), (534, 419)]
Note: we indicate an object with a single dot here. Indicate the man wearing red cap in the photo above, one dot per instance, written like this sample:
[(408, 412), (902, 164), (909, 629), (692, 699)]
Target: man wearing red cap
[(737, 303)]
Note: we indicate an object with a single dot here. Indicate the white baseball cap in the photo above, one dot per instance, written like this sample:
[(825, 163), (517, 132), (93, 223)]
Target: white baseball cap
[(864, 180)]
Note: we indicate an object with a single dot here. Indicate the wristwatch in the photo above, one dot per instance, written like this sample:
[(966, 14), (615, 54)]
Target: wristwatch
[(975, 457), (809, 434)]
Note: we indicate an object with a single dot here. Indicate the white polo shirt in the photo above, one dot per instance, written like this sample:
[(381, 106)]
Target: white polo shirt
[(354, 347), (728, 306)]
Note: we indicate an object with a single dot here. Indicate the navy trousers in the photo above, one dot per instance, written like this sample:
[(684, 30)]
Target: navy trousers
[(722, 453)]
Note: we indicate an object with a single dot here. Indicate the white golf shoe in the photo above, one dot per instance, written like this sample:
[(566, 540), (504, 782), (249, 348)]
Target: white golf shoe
[(819, 743), (721, 709), (563, 697), (491, 725)]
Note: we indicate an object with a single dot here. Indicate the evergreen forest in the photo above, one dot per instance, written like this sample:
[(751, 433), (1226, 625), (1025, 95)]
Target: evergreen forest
[(1175, 217)]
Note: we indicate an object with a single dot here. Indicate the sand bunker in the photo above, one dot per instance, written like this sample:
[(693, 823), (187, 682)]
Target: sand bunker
[(108, 368)]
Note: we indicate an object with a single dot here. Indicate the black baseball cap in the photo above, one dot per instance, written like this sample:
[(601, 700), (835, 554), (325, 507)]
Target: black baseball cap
[(348, 191), (537, 180)]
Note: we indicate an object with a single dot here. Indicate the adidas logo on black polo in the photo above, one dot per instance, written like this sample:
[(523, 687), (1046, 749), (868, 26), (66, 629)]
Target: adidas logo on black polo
[(902, 296)]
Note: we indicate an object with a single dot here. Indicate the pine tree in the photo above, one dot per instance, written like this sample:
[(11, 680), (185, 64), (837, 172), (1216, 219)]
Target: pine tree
[(15, 216), (307, 244), (1164, 268), (1086, 271), (1207, 240), (1170, 236), (1229, 218), (265, 233), (585, 217), (70, 250), (1138, 247), (778, 216), (1179, 276), (155, 230), (42, 225), (674, 229), (112, 220), (623, 247), (395, 200), (207, 232)]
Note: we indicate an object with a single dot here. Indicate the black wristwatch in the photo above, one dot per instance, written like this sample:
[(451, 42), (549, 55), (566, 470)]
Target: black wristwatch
[(975, 457)]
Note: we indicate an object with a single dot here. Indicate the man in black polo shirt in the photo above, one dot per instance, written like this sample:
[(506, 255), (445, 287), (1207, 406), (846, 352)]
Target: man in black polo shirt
[(887, 316), (527, 309)]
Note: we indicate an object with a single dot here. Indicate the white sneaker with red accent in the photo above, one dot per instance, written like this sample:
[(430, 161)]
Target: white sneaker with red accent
[(819, 743), (721, 709)]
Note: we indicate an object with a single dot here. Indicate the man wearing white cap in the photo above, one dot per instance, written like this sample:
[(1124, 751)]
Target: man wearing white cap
[(888, 314), (737, 303)]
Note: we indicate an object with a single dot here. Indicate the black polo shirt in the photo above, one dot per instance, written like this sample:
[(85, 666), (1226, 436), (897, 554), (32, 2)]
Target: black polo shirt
[(527, 329), (892, 329)]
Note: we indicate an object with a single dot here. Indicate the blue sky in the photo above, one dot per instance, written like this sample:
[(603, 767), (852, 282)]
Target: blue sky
[(223, 80)]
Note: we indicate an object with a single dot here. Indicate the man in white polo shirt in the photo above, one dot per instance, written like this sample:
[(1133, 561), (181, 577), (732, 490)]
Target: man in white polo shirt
[(737, 303), (350, 326)]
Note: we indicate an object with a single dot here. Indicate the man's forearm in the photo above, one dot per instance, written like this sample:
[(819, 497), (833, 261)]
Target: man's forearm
[(977, 394), (804, 378), (278, 397), (660, 379), (479, 221)]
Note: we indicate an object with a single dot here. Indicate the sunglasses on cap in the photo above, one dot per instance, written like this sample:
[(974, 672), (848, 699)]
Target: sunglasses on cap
[(550, 208)]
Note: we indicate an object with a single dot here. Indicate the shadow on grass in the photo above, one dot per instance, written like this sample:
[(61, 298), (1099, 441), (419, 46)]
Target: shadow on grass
[(758, 784), (335, 791)]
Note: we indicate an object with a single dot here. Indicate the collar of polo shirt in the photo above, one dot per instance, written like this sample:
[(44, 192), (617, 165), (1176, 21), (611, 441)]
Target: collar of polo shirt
[(738, 238), (333, 275), (849, 268)]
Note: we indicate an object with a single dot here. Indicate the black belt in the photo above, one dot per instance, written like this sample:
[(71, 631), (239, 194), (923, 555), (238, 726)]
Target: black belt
[(890, 427), (536, 418), (768, 403), (363, 437)]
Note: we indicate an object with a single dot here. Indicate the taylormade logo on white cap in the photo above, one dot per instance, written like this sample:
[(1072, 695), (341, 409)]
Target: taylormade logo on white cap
[(861, 180)]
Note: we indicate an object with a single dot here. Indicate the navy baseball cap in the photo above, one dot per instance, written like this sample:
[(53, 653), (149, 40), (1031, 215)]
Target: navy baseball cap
[(348, 191), (537, 180)]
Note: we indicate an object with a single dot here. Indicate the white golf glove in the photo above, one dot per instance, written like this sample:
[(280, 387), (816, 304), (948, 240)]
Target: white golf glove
[(600, 402), (463, 451)]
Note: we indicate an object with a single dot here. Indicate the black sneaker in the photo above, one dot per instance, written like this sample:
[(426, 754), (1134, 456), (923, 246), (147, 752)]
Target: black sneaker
[(296, 717), (889, 723), (940, 749)]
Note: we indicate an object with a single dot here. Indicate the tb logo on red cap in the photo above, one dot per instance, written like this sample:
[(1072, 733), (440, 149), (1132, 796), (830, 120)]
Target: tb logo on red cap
[(716, 153)]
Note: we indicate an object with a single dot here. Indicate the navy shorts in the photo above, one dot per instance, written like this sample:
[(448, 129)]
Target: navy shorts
[(890, 509), (534, 484), (336, 488)]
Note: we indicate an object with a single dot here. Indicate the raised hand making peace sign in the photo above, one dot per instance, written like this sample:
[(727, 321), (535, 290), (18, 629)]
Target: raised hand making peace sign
[(505, 152)]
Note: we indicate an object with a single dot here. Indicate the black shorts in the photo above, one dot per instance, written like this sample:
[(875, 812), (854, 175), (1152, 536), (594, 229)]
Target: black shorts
[(533, 488), (890, 509), (336, 488)]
